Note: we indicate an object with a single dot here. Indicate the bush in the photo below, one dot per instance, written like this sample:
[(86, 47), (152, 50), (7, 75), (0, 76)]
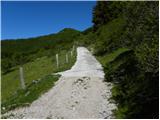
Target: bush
[(135, 90)]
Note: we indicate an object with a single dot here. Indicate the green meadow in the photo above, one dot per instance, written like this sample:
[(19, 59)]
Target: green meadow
[(38, 70)]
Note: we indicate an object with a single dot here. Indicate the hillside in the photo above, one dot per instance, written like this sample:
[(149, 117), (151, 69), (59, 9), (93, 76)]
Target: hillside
[(37, 57), (16, 52)]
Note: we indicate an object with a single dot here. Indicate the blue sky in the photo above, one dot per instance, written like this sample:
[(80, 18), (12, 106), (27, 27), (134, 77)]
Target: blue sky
[(23, 19)]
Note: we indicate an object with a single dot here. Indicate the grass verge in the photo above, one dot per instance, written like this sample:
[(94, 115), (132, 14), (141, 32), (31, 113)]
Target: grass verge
[(31, 93), (107, 58), (111, 62)]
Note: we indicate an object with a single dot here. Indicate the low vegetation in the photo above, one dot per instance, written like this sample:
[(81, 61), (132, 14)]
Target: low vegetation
[(105, 59), (38, 80), (21, 51), (37, 72), (32, 92), (124, 38), (34, 70)]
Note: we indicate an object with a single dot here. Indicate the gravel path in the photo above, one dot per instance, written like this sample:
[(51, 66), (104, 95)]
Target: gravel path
[(79, 93)]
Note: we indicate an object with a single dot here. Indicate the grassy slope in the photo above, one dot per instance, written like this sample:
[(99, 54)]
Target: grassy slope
[(35, 70), (40, 55), (16, 52), (32, 71), (32, 92), (110, 35), (105, 59)]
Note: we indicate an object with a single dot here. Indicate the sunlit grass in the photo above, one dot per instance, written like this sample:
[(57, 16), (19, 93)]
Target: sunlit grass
[(35, 70), (111, 56)]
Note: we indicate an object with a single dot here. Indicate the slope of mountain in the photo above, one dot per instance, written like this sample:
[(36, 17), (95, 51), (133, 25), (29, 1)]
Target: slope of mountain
[(16, 52)]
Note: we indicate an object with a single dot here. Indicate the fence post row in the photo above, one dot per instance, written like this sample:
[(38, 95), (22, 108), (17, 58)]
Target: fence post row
[(67, 57), (22, 78), (57, 60)]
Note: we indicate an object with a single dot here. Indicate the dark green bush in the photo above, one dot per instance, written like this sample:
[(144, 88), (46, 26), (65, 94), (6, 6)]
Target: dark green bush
[(135, 73)]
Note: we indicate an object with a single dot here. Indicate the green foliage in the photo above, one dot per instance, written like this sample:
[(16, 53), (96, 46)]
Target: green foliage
[(31, 93), (100, 14), (109, 36), (19, 52), (6, 65), (105, 11), (135, 91), (147, 55), (86, 40), (141, 23), (88, 30), (134, 72), (109, 57)]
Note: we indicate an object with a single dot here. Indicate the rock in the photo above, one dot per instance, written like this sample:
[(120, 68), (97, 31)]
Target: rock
[(76, 102), (85, 87)]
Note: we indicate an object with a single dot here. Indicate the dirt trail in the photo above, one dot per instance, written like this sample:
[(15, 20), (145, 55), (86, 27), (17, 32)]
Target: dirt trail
[(79, 93)]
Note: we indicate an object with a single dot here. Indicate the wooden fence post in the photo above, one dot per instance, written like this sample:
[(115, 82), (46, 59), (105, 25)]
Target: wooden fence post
[(22, 78), (71, 53), (92, 50), (57, 60), (66, 57), (73, 48)]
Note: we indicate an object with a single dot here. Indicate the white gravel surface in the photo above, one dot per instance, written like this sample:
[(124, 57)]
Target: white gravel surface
[(79, 93)]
